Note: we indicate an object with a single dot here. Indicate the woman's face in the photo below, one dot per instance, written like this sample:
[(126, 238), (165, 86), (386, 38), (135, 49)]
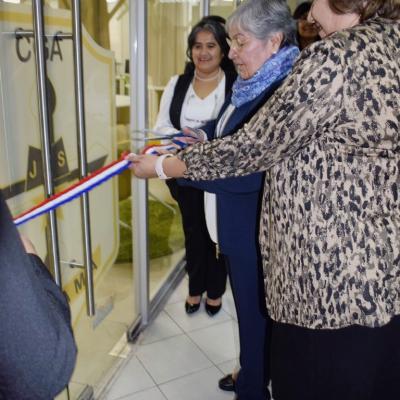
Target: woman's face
[(249, 53), (206, 53), (306, 29), (327, 21)]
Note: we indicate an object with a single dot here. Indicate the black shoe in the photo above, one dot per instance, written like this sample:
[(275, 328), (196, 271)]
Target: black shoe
[(227, 383), (212, 310), (191, 308)]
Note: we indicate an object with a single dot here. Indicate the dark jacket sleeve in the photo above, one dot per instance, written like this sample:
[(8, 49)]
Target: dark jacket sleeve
[(37, 347), (209, 128), (239, 185)]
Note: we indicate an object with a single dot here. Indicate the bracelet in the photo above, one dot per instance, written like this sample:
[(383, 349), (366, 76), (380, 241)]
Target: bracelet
[(159, 168)]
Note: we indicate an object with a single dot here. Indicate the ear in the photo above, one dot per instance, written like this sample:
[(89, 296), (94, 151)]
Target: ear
[(276, 41)]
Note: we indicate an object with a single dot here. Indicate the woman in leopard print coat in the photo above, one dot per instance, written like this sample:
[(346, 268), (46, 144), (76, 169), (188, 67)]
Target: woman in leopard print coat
[(329, 140)]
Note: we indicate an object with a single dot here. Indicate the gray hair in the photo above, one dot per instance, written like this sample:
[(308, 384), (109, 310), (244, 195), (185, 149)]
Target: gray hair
[(263, 18)]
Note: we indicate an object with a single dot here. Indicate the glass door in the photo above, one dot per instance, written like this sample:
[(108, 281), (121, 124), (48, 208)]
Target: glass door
[(168, 25), (224, 8), (101, 337)]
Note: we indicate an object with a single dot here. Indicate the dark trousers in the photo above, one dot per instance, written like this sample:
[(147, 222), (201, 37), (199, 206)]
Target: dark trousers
[(353, 363), (206, 271), (254, 325)]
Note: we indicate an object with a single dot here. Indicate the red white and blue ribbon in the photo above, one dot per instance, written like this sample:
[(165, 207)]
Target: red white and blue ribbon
[(94, 179), (84, 185)]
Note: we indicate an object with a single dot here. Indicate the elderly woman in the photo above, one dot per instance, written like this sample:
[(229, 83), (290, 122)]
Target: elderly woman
[(330, 224), (263, 38)]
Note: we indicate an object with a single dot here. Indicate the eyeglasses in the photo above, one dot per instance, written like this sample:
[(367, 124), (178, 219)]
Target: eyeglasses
[(237, 43)]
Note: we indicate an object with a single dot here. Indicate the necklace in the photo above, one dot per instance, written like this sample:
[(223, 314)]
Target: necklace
[(208, 79)]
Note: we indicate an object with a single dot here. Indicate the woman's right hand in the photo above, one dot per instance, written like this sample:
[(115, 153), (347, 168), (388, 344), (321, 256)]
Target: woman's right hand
[(143, 166)]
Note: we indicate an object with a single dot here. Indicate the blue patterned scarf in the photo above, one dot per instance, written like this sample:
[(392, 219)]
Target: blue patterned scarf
[(274, 69)]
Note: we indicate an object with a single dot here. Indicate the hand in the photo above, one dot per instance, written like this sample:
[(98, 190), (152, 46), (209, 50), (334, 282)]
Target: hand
[(28, 245), (196, 133), (143, 166), (189, 136)]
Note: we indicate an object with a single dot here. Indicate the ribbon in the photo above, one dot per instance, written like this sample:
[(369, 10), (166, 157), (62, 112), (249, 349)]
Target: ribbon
[(91, 181), (86, 184)]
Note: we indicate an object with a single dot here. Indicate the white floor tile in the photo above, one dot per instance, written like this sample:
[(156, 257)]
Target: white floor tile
[(162, 327), (131, 378), (228, 304), (202, 385), (180, 293), (172, 358), (217, 341), (150, 394), (180, 356), (195, 321)]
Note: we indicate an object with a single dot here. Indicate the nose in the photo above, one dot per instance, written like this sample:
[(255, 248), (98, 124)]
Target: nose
[(310, 18), (203, 50)]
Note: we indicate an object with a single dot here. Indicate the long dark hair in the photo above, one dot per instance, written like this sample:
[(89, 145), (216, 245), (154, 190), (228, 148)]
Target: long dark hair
[(367, 9), (302, 9), (218, 31)]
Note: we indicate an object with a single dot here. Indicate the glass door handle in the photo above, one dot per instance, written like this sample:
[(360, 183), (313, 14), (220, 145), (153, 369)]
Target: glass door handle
[(44, 123), (46, 135), (81, 139)]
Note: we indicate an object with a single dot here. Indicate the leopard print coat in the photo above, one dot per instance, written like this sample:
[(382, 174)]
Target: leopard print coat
[(329, 141)]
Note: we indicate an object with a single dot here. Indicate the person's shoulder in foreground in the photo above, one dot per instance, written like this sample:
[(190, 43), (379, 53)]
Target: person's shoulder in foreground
[(37, 347)]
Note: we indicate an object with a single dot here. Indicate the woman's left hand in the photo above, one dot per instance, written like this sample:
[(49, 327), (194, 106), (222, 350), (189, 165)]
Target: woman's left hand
[(143, 166)]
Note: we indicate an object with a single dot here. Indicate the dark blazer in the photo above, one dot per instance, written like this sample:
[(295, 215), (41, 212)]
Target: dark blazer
[(237, 198), (37, 347)]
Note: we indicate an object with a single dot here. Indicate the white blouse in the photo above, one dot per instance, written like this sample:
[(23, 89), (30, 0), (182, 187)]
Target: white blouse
[(195, 110)]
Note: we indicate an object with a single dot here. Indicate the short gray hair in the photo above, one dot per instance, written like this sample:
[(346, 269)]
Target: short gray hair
[(263, 18)]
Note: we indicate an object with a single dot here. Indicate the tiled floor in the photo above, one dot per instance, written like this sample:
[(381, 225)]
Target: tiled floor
[(179, 357)]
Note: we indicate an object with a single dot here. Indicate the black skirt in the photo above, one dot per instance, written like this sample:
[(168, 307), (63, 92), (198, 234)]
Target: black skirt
[(353, 363)]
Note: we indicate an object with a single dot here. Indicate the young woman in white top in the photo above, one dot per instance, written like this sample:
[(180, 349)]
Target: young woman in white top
[(191, 100)]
